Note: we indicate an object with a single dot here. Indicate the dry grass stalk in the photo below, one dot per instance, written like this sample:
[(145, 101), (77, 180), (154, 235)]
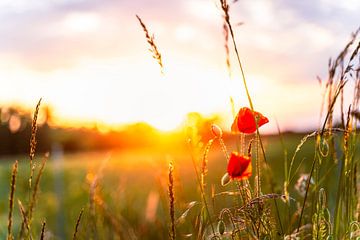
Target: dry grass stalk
[(225, 7), (42, 236), (194, 143), (33, 140), (36, 187), (114, 222), (337, 73), (153, 48), (172, 233), (226, 45), (11, 200), (93, 195), (120, 226), (78, 224), (24, 219), (232, 104), (204, 162), (224, 149)]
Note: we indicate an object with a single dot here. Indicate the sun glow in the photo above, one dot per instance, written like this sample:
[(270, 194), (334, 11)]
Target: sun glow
[(126, 95), (93, 67), (81, 22)]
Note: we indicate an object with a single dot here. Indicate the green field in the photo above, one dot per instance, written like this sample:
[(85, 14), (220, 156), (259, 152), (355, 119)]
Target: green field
[(133, 185)]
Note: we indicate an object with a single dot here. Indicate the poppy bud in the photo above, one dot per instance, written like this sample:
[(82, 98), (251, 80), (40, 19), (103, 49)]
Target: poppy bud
[(221, 227), (225, 179), (216, 130)]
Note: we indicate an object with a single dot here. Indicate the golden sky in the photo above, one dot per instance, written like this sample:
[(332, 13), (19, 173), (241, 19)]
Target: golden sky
[(90, 62)]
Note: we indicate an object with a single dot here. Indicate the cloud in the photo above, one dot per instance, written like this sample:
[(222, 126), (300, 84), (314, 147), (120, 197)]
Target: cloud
[(49, 35), (57, 34)]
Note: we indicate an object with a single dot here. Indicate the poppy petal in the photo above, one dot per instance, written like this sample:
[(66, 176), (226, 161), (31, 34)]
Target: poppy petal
[(239, 166), (244, 121)]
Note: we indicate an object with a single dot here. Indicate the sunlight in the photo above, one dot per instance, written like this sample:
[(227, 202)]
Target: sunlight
[(81, 22), (207, 12), (185, 33)]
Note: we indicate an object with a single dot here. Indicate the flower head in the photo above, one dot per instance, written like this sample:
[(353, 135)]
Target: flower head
[(245, 121), (239, 166), (216, 131)]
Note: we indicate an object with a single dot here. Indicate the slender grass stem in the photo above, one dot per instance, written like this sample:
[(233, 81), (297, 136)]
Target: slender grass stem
[(201, 188), (77, 224), (340, 86), (11, 200), (172, 233), (42, 235)]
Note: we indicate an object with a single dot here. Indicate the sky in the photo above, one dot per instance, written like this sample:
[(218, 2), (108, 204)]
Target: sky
[(89, 60)]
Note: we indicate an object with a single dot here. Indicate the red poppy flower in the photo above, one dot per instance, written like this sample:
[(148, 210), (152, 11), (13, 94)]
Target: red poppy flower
[(239, 167), (245, 121)]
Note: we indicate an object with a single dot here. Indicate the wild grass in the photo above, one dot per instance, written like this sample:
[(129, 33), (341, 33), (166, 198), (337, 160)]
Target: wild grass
[(42, 235), (257, 219), (153, 47), (33, 141), (25, 231), (11, 200), (172, 232), (78, 224)]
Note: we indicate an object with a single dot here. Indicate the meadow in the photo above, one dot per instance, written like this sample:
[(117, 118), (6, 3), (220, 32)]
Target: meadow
[(133, 184)]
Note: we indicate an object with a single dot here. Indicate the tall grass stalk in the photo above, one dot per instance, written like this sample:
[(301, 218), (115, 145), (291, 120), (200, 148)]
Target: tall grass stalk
[(42, 235), (202, 192), (77, 224), (11, 200), (172, 232), (36, 187), (204, 162), (346, 196), (153, 47), (33, 140), (94, 198), (316, 155), (25, 222)]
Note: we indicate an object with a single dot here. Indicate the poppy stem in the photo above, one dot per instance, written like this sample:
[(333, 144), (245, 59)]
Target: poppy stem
[(224, 149), (257, 163), (225, 8), (242, 143)]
